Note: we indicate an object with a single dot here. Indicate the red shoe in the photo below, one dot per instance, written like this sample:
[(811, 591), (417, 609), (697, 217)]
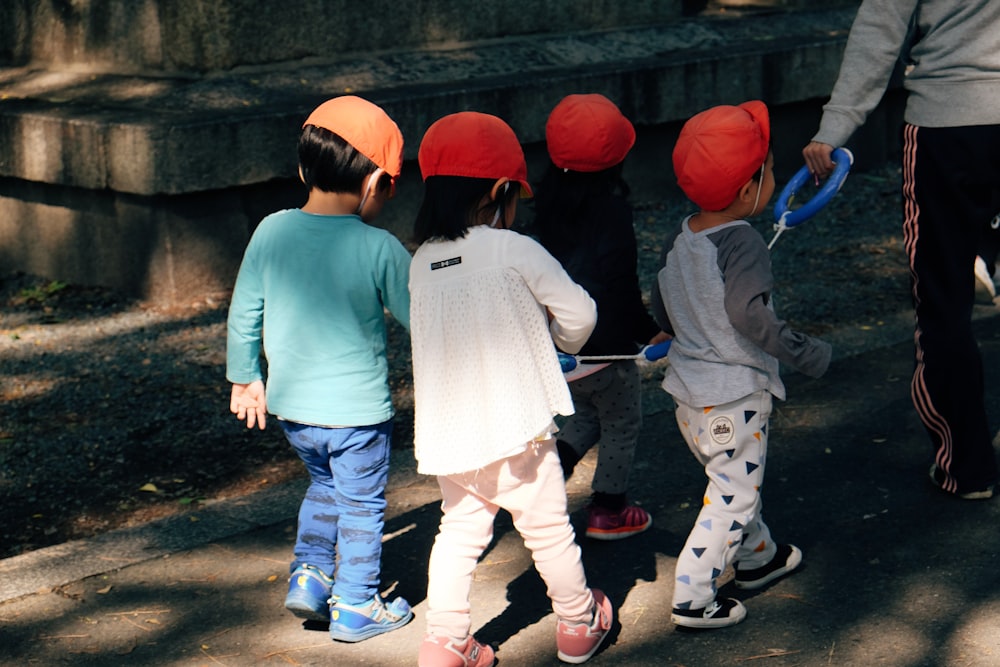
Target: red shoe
[(605, 524), (442, 652), (578, 641)]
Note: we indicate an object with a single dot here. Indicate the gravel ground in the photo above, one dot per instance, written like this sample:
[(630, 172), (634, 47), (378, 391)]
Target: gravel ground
[(115, 412)]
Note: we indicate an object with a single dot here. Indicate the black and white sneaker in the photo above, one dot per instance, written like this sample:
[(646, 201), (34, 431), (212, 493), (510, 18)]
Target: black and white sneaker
[(787, 558), (720, 614)]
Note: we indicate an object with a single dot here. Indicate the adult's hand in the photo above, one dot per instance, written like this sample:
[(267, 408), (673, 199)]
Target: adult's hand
[(817, 157)]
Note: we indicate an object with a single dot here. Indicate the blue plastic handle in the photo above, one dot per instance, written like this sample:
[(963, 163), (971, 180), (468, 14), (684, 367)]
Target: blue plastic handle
[(843, 159), (658, 351), (567, 362)]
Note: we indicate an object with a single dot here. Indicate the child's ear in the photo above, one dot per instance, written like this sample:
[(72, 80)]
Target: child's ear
[(495, 190), (301, 176), (748, 192), (386, 186), (372, 183)]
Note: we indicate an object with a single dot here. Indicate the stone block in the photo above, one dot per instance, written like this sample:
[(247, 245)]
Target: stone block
[(168, 250), (49, 145)]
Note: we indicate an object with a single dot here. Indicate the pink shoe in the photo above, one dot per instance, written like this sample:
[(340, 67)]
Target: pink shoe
[(442, 652), (578, 641), (605, 524)]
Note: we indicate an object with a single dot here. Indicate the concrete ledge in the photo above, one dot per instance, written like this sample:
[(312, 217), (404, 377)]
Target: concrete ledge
[(152, 183), (172, 135)]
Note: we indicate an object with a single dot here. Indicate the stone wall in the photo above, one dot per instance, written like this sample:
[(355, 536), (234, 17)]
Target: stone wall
[(198, 36)]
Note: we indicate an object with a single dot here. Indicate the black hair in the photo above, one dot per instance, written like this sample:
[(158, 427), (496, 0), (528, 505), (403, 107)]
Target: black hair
[(563, 197), (452, 204), (330, 164)]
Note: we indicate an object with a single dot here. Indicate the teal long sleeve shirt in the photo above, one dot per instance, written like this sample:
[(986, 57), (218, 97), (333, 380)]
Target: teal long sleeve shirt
[(313, 290)]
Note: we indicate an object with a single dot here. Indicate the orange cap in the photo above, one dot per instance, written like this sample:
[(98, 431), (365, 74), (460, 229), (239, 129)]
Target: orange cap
[(474, 145), (366, 127), (719, 150), (588, 133)]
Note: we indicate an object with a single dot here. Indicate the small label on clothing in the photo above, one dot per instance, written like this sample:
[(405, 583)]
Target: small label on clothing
[(444, 263), (722, 431)]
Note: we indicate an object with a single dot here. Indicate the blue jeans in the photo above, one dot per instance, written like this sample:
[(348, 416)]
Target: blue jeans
[(342, 514)]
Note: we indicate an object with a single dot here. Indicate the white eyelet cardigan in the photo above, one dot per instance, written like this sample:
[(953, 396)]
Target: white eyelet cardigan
[(486, 377)]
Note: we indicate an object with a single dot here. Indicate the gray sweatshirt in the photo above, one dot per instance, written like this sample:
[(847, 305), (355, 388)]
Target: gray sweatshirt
[(714, 295), (952, 52)]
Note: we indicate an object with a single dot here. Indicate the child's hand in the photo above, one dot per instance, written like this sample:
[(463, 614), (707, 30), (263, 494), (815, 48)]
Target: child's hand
[(247, 402), (660, 338)]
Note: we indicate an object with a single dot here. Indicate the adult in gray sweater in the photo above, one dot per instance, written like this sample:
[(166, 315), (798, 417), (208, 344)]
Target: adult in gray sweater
[(951, 191)]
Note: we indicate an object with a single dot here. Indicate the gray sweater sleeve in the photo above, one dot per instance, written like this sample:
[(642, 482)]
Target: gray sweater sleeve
[(873, 48), (952, 51), (746, 269)]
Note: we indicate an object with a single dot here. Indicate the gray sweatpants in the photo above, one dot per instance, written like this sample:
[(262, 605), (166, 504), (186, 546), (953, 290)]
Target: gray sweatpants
[(608, 410)]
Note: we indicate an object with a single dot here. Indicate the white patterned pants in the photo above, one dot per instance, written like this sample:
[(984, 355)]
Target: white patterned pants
[(730, 441)]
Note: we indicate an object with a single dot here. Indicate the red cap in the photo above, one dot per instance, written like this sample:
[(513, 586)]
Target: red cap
[(719, 150), (474, 145), (588, 133), (366, 127)]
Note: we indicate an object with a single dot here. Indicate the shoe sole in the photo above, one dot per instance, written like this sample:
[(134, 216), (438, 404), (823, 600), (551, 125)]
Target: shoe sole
[(301, 609), (985, 494), (617, 533), (792, 563), (610, 536), (302, 606), (341, 634), (706, 624), (699, 623)]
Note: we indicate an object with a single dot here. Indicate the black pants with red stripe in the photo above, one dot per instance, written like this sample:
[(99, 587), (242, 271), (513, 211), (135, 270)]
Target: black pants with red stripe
[(951, 192)]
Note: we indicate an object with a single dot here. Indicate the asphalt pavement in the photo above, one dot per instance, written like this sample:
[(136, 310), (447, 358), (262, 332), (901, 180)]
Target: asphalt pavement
[(895, 572)]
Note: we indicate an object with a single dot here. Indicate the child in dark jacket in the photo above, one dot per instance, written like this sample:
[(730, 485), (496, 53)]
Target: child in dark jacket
[(584, 220)]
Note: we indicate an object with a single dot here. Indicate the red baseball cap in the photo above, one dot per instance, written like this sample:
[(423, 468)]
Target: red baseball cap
[(474, 145), (719, 150), (366, 127), (588, 133)]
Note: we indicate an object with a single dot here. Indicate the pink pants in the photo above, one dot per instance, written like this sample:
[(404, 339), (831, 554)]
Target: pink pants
[(530, 486)]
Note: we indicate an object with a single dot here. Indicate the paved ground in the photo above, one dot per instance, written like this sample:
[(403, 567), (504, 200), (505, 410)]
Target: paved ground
[(895, 572)]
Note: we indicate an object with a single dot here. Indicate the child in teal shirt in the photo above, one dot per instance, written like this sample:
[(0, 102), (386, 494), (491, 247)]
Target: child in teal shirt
[(318, 280)]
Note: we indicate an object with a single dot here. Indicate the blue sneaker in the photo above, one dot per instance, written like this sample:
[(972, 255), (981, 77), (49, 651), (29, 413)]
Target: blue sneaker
[(352, 623), (309, 594)]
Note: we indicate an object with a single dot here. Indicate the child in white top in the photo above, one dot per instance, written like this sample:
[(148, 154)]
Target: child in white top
[(486, 305)]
